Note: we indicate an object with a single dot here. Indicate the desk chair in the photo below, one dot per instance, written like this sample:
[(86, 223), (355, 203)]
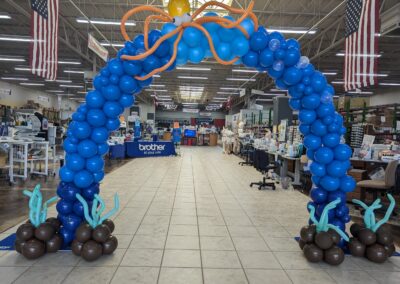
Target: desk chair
[(388, 185), (247, 151), (263, 164)]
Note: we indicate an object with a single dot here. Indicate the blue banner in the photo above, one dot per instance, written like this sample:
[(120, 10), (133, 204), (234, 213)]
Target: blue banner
[(139, 149)]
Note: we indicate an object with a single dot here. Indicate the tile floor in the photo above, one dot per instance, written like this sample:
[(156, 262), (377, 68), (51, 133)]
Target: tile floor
[(194, 219)]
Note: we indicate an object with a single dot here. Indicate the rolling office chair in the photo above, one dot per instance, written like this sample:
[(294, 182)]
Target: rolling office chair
[(262, 164), (248, 152)]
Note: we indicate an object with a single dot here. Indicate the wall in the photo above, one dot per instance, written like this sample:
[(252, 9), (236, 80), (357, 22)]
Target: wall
[(385, 97)]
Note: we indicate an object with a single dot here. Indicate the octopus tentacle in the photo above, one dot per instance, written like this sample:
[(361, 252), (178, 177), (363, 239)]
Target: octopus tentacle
[(154, 47), (146, 27), (166, 66)]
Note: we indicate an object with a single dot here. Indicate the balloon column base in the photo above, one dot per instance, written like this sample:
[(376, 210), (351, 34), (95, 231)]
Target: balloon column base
[(33, 242), (321, 246), (91, 243)]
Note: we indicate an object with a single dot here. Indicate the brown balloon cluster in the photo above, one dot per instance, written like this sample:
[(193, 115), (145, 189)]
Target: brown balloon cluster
[(91, 243), (321, 246), (34, 242), (376, 246)]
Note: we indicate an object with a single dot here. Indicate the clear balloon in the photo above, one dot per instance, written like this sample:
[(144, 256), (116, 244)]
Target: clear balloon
[(274, 44), (303, 62)]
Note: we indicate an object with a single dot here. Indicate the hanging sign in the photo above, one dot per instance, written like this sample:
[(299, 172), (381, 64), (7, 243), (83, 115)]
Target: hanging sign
[(97, 48)]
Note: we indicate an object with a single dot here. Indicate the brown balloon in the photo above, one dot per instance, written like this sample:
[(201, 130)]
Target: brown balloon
[(307, 233), (390, 249), (33, 249), (91, 250), (83, 233), (355, 228), (54, 222), (110, 224), (376, 253), (323, 240), (334, 235), (110, 245), (313, 253), (366, 236), (302, 243), (44, 232), (54, 244), (25, 232), (101, 233), (384, 237), (76, 247), (356, 247), (18, 245), (334, 256)]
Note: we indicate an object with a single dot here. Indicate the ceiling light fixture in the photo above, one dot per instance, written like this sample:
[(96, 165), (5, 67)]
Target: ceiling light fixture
[(192, 78), (241, 79), (361, 93), (152, 90), (292, 30), (69, 62), (375, 75), (329, 73), (5, 16), (389, 84), (231, 88), (193, 68), (59, 81), (14, 78), (16, 38), (115, 44), (264, 100), (109, 22), (54, 91), (358, 54), (245, 71), (155, 85), (74, 71), (12, 59), (31, 84), (227, 93), (71, 86)]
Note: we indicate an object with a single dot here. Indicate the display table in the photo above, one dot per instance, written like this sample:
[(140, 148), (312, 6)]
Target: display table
[(140, 149)]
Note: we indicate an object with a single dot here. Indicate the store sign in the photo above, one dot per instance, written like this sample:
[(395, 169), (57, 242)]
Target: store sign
[(190, 110), (6, 92), (141, 149), (97, 48), (242, 92), (43, 99), (202, 113)]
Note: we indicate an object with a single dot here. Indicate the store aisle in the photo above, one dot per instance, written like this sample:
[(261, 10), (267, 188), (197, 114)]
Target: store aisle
[(194, 219)]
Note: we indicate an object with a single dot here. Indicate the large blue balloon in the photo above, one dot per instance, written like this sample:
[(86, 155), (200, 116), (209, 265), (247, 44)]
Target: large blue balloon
[(292, 56), (114, 79), (138, 41), (332, 196), (331, 140), (115, 67), (334, 128), (325, 110), (89, 192), (295, 104), (64, 207), (310, 102), (307, 116), (196, 54), (318, 128), (250, 59), (240, 46), (132, 68), (112, 109), (71, 222), (342, 152), (112, 124), (127, 84), (98, 176), (167, 28), (69, 146), (310, 154), (66, 174), (304, 129), (342, 210), (275, 74), (327, 120), (192, 36), (102, 149), (318, 82), (336, 169), (258, 41), (83, 179), (266, 58), (99, 135), (248, 25), (87, 148), (94, 99), (95, 164), (226, 35), (78, 116), (183, 53), (96, 117), (347, 184), (150, 63), (323, 155), (163, 49), (127, 100), (317, 169), (111, 92), (81, 130), (74, 162), (292, 76), (224, 51), (67, 235), (312, 142), (318, 195), (68, 192), (330, 183)]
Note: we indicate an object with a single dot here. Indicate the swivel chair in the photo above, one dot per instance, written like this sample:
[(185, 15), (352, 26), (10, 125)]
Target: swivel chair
[(248, 152), (263, 164)]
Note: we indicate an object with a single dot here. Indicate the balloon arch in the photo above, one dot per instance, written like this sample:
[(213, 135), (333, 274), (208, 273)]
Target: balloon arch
[(183, 39)]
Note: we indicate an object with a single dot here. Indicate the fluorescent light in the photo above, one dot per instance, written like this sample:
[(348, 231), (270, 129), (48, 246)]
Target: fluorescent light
[(359, 54), (110, 22), (337, 82), (361, 93), (16, 38), (32, 84), (190, 103), (151, 90), (164, 99), (278, 90), (292, 30), (245, 71), (271, 95), (69, 62), (164, 96), (241, 79), (71, 86), (389, 84), (375, 75), (191, 88), (264, 100), (54, 91), (193, 68), (27, 69), (59, 81), (115, 44), (74, 71), (192, 78), (5, 16), (231, 88), (329, 73), (218, 98), (227, 93), (12, 59), (157, 76), (155, 85), (81, 92), (14, 78)]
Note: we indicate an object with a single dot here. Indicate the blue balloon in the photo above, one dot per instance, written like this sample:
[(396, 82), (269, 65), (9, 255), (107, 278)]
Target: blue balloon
[(312, 142), (334, 128), (342, 210), (330, 183), (325, 110), (240, 46), (127, 100), (66, 174), (334, 195), (309, 70), (224, 51), (183, 52), (250, 59), (69, 192), (346, 218), (318, 128), (95, 164), (248, 26), (280, 54), (310, 154), (307, 116), (292, 76), (87, 148), (317, 169), (102, 149), (94, 99), (310, 102), (226, 35), (295, 104), (258, 41), (150, 63), (163, 49), (99, 135), (71, 222), (306, 80), (168, 28), (98, 176), (192, 36), (78, 209), (196, 54), (96, 117), (347, 184), (336, 169), (338, 223), (320, 209), (138, 41), (81, 130), (280, 84), (89, 192), (266, 58), (315, 180), (144, 83), (113, 124), (99, 82), (114, 79), (111, 93), (83, 179), (292, 56), (105, 72), (69, 146), (292, 43), (342, 152), (127, 84), (343, 130), (275, 74), (115, 67), (331, 140), (74, 162), (132, 68), (324, 155), (112, 109), (78, 116), (318, 195), (64, 207), (154, 36), (304, 129), (130, 47), (318, 82), (327, 120), (66, 235)]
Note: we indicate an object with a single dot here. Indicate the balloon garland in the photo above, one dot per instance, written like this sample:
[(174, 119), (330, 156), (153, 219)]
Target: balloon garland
[(183, 39)]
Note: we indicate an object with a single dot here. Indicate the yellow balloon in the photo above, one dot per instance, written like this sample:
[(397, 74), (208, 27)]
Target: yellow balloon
[(177, 8)]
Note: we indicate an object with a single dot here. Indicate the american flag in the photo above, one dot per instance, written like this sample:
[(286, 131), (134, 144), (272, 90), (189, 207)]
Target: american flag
[(44, 34), (362, 29)]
